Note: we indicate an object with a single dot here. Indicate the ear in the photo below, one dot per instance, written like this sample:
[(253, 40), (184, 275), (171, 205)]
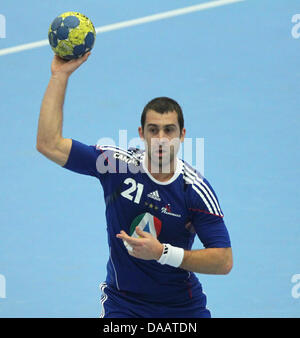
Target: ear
[(182, 136), (141, 133)]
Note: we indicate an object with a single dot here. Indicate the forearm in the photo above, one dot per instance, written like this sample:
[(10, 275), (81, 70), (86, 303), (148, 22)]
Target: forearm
[(208, 261), (51, 113)]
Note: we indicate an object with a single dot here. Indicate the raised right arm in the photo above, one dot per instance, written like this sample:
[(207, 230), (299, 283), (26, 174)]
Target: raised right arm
[(50, 141)]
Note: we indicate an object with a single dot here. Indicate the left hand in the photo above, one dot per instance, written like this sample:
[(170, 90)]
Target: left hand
[(146, 247)]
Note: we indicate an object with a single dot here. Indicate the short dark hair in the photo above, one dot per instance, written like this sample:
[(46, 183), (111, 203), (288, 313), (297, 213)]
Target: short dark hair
[(163, 105)]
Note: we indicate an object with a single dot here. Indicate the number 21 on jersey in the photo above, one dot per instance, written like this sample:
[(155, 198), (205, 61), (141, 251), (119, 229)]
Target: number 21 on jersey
[(134, 192)]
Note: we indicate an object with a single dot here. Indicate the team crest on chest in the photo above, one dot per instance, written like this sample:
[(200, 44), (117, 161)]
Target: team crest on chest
[(147, 223)]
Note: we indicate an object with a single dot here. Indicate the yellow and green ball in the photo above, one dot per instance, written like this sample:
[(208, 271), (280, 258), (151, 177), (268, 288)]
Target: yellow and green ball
[(71, 35)]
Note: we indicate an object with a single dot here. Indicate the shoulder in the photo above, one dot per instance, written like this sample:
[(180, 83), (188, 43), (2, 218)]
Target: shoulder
[(129, 156), (201, 194)]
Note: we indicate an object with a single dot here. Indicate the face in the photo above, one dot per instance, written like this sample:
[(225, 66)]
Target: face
[(162, 138)]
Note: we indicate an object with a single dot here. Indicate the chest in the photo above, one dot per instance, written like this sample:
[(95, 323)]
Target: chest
[(159, 209)]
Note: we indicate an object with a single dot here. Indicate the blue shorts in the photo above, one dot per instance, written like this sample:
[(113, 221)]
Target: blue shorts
[(116, 304)]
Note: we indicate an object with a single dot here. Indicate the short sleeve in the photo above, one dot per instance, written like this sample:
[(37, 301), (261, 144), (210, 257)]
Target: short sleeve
[(207, 217), (87, 160)]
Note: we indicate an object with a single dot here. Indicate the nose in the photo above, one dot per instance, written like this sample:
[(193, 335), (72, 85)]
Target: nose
[(163, 137), (161, 134)]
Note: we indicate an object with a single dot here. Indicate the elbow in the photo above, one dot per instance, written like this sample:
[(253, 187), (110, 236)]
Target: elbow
[(227, 266), (227, 261), (40, 144), (40, 148), (46, 145), (43, 148)]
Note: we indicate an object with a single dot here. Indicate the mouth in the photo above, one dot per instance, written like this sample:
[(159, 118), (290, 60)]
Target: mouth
[(160, 152)]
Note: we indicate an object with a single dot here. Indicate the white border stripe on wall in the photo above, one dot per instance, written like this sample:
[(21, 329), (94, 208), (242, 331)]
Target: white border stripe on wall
[(129, 23)]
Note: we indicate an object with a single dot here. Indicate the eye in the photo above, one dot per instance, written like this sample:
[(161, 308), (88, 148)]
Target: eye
[(153, 130), (169, 130)]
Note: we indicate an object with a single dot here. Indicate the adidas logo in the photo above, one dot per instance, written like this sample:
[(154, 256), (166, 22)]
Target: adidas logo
[(154, 195)]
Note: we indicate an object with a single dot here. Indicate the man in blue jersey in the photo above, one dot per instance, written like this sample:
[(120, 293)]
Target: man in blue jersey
[(156, 204)]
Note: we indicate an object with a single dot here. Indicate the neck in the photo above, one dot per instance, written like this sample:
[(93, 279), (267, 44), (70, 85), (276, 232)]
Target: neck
[(161, 173)]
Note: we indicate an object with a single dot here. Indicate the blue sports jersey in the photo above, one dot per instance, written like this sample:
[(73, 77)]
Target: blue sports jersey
[(173, 211)]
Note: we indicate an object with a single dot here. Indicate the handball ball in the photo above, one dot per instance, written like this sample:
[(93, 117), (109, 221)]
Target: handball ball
[(71, 35)]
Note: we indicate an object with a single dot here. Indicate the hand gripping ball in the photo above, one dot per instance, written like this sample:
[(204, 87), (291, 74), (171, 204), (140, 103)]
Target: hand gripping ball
[(71, 35)]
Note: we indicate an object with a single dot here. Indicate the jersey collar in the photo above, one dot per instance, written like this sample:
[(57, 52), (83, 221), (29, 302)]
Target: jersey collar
[(178, 171)]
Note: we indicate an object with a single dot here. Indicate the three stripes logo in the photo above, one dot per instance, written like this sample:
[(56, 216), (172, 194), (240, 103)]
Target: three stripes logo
[(154, 195), (203, 190)]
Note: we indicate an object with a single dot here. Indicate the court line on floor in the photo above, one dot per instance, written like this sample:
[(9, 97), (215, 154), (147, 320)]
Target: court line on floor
[(129, 23)]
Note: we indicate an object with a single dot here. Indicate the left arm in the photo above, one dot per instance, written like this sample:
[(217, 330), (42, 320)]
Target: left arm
[(208, 261)]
